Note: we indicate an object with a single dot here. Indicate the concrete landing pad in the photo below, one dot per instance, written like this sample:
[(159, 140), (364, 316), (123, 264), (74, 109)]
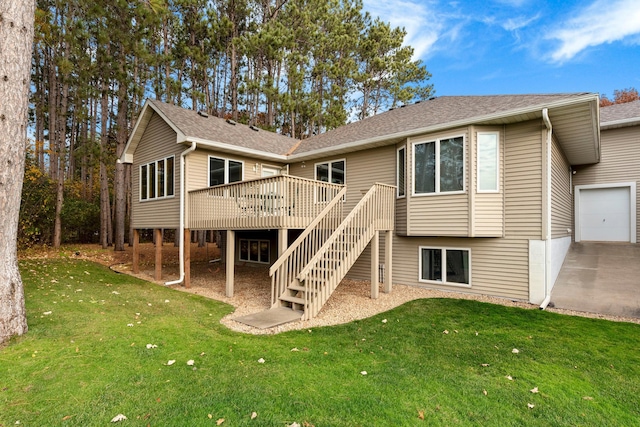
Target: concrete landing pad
[(270, 318)]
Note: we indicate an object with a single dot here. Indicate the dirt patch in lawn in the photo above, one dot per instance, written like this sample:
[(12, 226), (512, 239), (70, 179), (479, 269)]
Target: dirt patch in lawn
[(252, 287)]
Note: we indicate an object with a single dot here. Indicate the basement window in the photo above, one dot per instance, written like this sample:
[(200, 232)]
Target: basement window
[(252, 250), (157, 179), (449, 266)]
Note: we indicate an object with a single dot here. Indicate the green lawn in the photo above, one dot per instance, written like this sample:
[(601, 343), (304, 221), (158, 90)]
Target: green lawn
[(85, 360)]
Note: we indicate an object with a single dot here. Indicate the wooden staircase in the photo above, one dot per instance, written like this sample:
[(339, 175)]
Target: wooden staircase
[(306, 275)]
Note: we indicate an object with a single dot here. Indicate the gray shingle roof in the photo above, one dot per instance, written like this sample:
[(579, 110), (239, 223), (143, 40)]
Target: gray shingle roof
[(437, 111), (617, 112), (215, 129)]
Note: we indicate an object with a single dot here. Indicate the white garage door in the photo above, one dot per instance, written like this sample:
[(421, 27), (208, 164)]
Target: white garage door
[(605, 214)]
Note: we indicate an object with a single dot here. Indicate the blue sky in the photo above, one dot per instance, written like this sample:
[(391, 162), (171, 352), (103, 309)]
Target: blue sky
[(481, 47)]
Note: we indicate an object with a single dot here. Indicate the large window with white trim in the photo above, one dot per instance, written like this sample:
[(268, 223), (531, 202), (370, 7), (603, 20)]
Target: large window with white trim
[(488, 162), (254, 250), (224, 171), (438, 166), (157, 179), (445, 265)]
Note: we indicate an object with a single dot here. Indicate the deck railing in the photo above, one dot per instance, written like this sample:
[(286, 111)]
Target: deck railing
[(333, 260), (281, 201), (284, 271), (313, 266)]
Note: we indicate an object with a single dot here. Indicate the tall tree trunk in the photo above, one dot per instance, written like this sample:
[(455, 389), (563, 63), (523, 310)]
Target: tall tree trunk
[(61, 149), (105, 207), (120, 183), (16, 38)]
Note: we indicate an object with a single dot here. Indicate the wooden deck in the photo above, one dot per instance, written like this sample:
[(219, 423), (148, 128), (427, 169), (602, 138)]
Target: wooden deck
[(275, 202)]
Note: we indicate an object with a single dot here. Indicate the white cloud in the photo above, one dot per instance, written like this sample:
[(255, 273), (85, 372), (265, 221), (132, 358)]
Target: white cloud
[(601, 22), (514, 24), (421, 22)]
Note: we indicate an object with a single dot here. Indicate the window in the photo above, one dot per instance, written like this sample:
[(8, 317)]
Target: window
[(224, 171), (447, 266), (488, 161), (333, 172), (401, 168), (254, 250), (157, 179), (439, 166)]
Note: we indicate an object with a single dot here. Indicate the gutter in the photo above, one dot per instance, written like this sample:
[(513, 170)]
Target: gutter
[(183, 180), (633, 121), (547, 241)]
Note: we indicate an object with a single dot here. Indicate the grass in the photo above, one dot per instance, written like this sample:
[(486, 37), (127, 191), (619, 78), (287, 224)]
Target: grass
[(81, 364)]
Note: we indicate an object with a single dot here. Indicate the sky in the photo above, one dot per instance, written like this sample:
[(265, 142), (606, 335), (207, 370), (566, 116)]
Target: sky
[(484, 47)]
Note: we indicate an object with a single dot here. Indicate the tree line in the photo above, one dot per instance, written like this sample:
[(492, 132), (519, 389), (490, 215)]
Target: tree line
[(296, 67)]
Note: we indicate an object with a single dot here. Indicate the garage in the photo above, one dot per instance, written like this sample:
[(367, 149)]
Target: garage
[(604, 213)]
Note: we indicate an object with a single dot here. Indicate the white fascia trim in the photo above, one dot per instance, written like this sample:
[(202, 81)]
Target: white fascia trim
[(234, 149), (633, 121), (632, 206), (443, 126)]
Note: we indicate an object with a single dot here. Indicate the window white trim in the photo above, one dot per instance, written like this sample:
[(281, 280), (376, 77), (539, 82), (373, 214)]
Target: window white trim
[(497, 160), (444, 266), (329, 164), (437, 164), (401, 187), (166, 188), (248, 257), (226, 169)]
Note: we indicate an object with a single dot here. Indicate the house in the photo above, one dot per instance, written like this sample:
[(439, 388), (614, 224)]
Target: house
[(463, 193)]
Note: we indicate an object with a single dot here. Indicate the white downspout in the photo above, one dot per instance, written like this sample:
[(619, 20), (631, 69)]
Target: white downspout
[(183, 180), (547, 219)]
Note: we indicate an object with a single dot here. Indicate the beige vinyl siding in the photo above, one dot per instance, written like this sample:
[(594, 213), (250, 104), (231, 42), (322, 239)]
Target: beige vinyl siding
[(157, 142), (560, 193), (499, 266), (488, 215), (198, 167), (619, 162), (523, 180), (438, 214), (401, 216), (362, 169)]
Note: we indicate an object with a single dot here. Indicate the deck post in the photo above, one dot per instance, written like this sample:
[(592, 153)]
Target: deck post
[(186, 241), (157, 234), (135, 268), (375, 264), (388, 260), (230, 252), (283, 242)]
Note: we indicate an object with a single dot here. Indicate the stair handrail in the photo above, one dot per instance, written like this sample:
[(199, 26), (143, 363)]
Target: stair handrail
[(294, 256), (296, 243), (338, 231), (375, 211)]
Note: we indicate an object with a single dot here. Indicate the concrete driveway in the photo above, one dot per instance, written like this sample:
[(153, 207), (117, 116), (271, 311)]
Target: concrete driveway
[(600, 278)]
